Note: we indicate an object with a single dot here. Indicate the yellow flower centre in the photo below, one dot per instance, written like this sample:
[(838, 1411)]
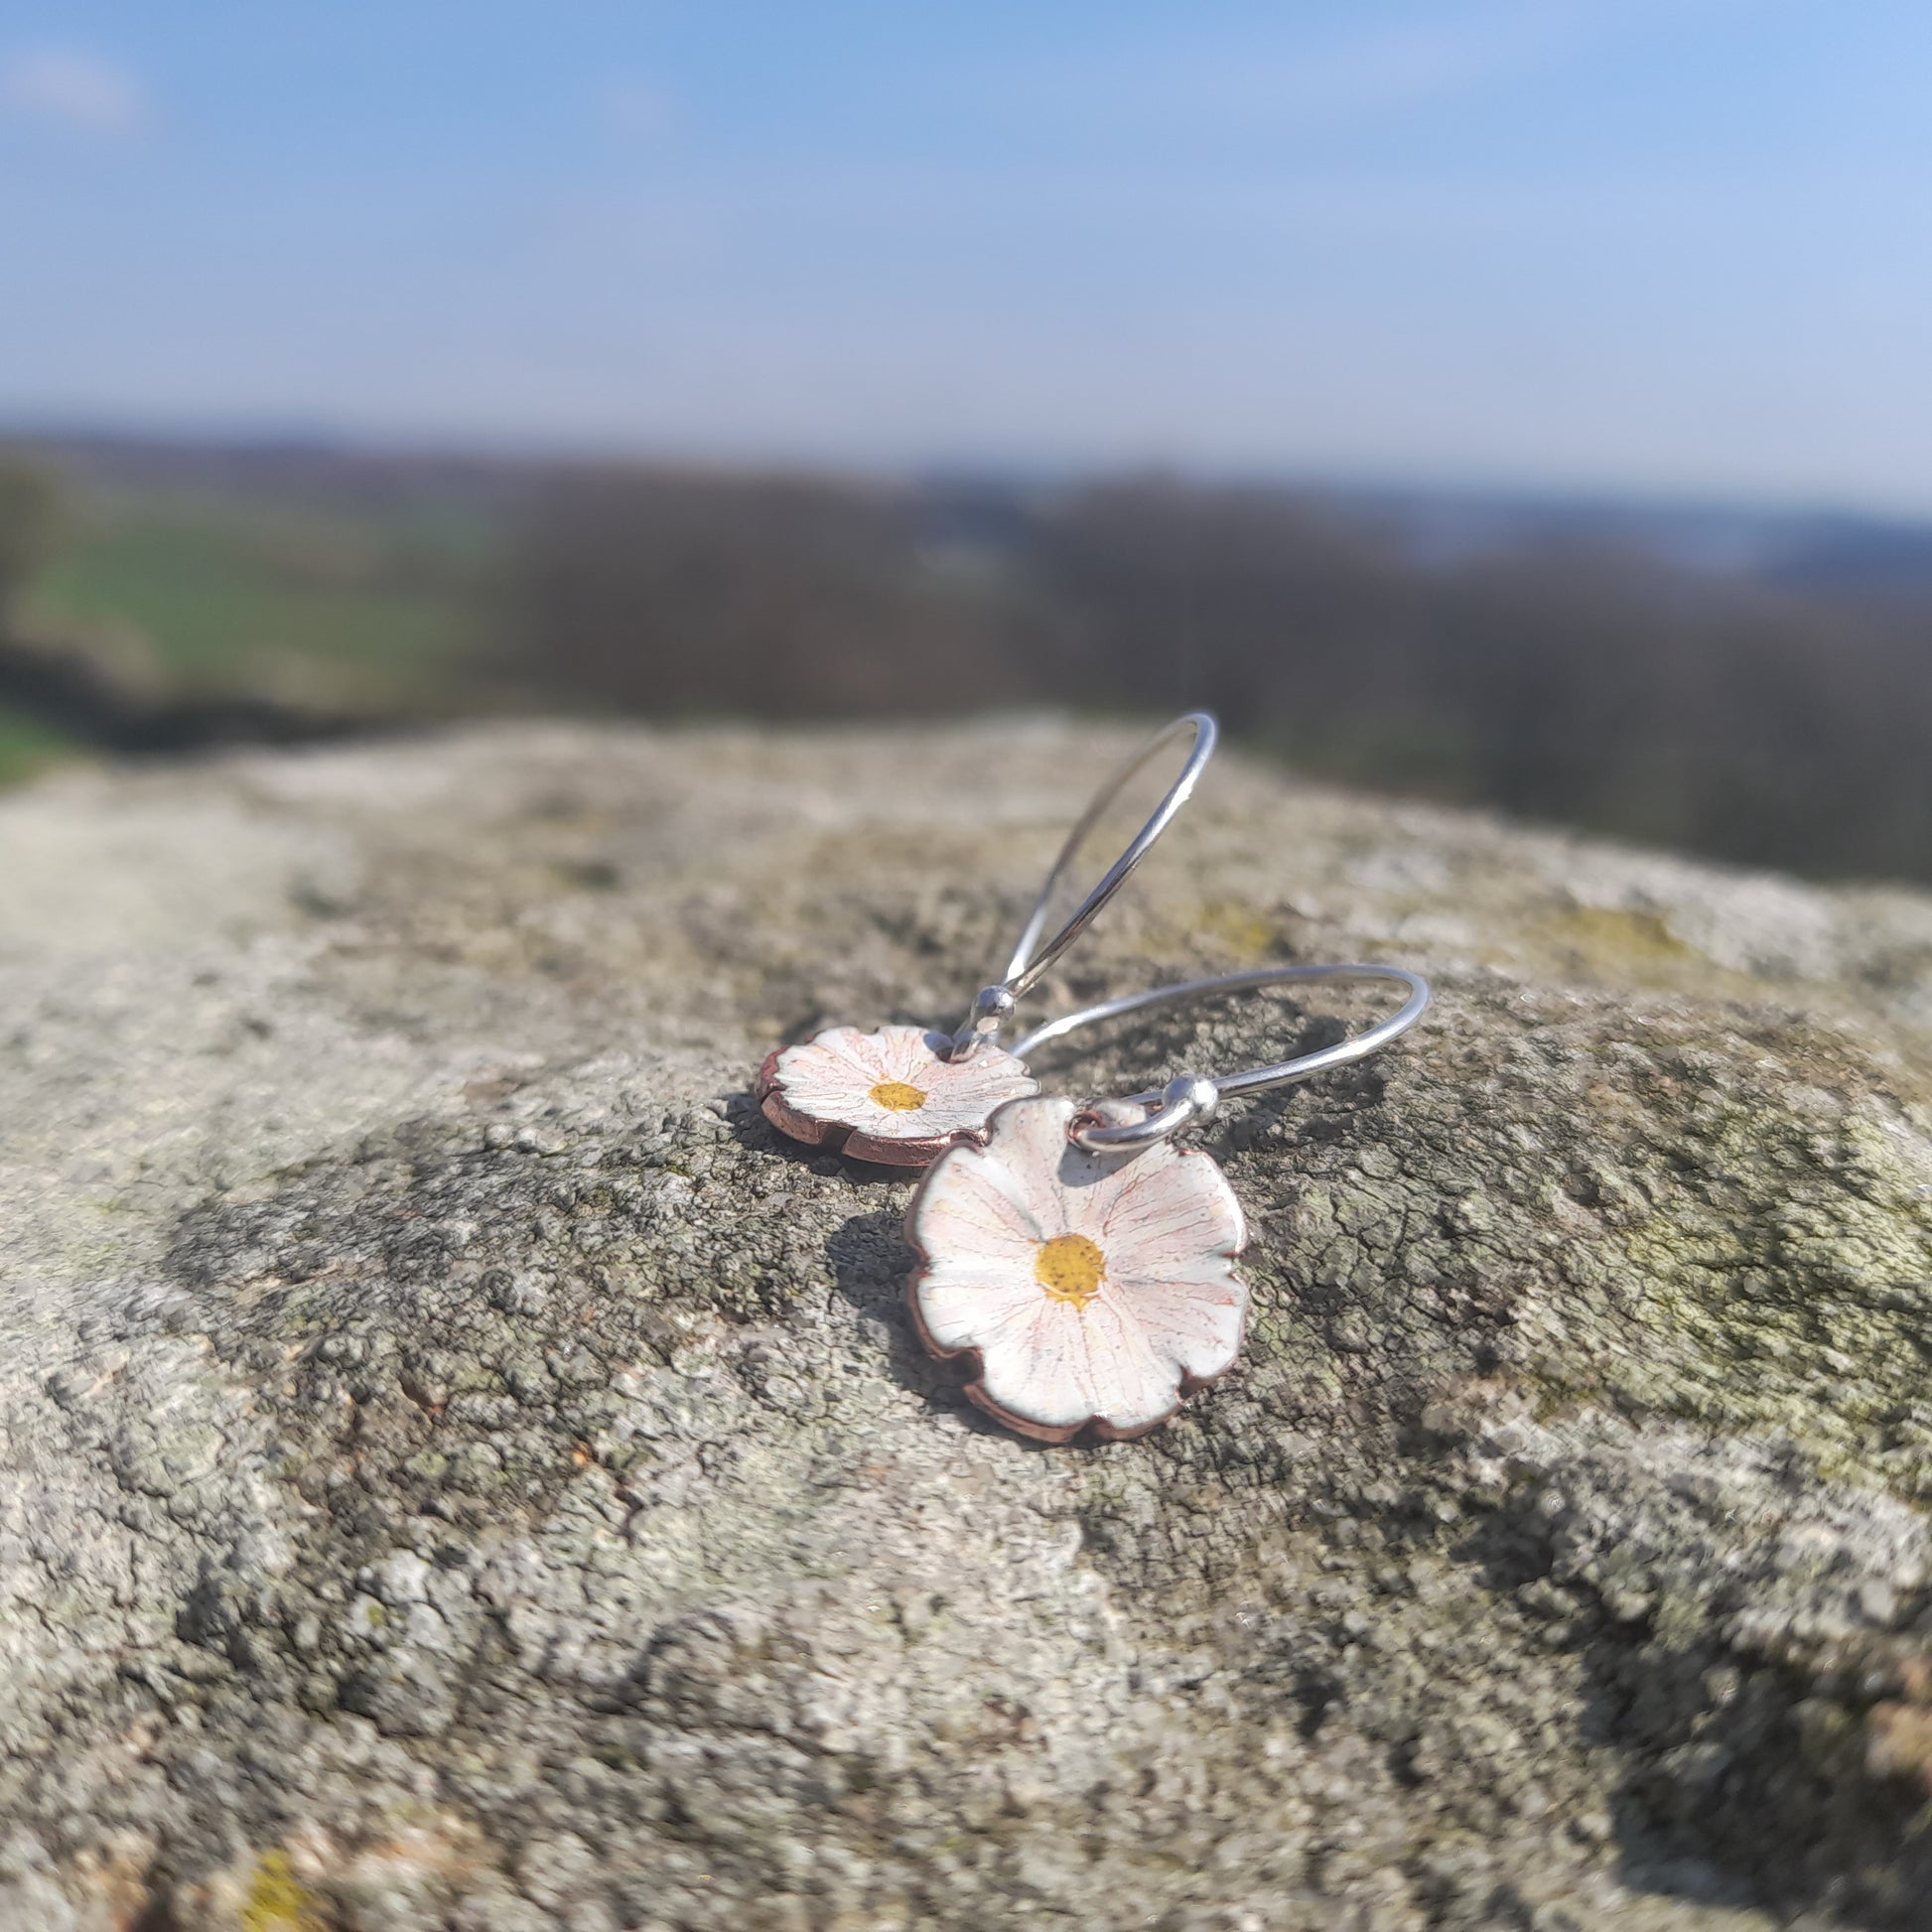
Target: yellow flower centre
[(897, 1097), (1070, 1269)]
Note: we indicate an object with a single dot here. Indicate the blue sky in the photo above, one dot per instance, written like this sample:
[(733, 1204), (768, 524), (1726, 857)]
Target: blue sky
[(1669, 245)]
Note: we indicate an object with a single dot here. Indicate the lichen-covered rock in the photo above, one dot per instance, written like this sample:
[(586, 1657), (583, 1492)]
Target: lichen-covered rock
[(463, 1468)]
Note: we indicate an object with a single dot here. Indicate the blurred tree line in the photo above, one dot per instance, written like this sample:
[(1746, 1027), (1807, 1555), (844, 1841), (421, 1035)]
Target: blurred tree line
[(30, 502), (1568, 680), (30, 524), (1563, 671)]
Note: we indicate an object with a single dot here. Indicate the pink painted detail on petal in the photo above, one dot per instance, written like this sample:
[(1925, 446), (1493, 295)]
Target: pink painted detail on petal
[(910, 1054), (984, 1215), (1042, 1371), (1170, 1309), (825, 1075), (823, 1089), (1197, 1326), (964, 1308), (1151, 1217)]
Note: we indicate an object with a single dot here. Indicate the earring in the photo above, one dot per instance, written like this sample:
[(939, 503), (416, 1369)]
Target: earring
[(1084, 1264), (903, 1095)]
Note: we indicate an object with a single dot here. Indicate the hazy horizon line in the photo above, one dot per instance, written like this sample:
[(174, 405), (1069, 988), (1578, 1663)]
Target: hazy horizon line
[(1473, 486)]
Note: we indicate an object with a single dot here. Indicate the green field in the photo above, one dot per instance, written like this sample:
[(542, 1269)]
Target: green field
[(28, 746), (366, 611)]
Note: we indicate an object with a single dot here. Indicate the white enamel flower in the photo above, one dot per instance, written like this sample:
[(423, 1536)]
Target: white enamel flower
[(1095, 1289), (888, 1096)]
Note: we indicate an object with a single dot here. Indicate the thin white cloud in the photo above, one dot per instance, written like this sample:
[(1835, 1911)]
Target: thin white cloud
[(72, 89)]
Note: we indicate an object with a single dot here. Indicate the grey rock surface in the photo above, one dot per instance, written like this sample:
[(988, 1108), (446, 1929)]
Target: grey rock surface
[(463, 1470)]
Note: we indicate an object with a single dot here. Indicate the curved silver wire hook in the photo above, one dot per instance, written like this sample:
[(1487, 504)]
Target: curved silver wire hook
[(1031, 960), (1191, 1099)]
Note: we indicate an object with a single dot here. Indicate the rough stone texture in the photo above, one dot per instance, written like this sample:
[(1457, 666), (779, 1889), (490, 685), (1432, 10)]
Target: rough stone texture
[(462, 1470)]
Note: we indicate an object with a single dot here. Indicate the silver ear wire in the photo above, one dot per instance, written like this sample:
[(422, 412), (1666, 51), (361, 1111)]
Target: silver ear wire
[(992, 1007), (1186, 1102), (1031, 960)]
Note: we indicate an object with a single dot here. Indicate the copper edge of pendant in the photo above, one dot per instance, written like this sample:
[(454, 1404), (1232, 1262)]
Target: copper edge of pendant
[(839, 1137)]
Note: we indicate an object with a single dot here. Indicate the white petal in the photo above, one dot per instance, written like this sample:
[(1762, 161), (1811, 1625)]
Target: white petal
[(1027, 1143), (995, 1077), (1195, 1325), (971, 1305), (823, 1078), (832, 1077), (969, 1211), (963, 1096), (905, 1054), (1037, 1370), (1072, 1364), (863, 1053), (1168, 1303), (1167, 1208)]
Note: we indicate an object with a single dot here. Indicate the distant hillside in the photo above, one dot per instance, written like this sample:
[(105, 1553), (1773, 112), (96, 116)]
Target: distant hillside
[(1748, 684), (1807, 548)]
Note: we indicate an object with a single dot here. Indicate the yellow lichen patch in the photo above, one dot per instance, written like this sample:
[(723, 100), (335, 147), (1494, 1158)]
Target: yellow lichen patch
[(898, 1097), (1638, 944), (1070, 1267), (277, 1902), (1243, 933)]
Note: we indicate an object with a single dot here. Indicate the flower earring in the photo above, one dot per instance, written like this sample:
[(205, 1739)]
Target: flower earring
[(1084, 1264), (902, 1095)]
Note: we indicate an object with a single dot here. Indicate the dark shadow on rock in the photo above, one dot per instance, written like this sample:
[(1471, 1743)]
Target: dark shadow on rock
[(871, 1265), (1745, 1782), (755, 1135)]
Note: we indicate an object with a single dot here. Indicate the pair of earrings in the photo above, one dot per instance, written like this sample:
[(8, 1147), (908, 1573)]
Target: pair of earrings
[(1081, 1262)]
